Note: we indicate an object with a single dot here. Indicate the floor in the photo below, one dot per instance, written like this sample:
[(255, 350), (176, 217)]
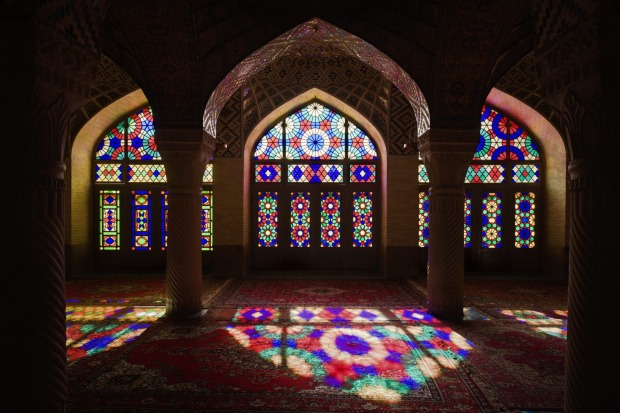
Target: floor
[(524, 299)]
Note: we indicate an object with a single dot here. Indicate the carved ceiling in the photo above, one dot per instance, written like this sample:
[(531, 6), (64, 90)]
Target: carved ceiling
[(343, 76), (445, 47)]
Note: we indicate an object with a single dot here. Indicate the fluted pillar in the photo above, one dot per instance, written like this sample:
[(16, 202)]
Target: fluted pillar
[(184, 153), (35, 360), (49, 77), (446, 154), (592, 299)]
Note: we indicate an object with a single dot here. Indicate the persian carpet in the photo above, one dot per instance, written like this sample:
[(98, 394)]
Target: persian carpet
[(525, 366), (316, 346), (497, 292), (287, 292), (131, 290)]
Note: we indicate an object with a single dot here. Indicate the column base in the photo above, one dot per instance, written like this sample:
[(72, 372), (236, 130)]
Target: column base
[(446, 313), (182, 309)]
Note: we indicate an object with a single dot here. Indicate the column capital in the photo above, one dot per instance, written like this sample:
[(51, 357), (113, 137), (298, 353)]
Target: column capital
[(447, 154), (185, 153)]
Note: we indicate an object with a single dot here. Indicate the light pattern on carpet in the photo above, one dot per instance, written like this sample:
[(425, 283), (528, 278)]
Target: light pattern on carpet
[(281, 367), (341, 346)]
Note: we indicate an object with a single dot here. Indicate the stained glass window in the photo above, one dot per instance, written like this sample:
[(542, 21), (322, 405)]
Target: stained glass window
[(206, 218), (494, 133), (300, 219), (359, 145), (504, 147), (525, 219), (267, 219), (330, 219), (207, 176), (109, 220), (314, 132), (491, 220), (422, 174), (112, 146), (164, 220), (141, 231), (267, 173), (106, 172), (525, 173), (310, 133), (315, 173), (146, 173), (423, 214), (141, 136), (362, 219), (128, 155), (522, 146), (467, 221), (270, 145), (309, 148), (133, 138), (362, 173), (484, 174)]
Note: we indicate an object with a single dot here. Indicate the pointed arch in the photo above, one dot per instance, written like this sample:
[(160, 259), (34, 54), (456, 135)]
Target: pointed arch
[(554, 148), (79, 238), (313, 32), (345, 110), (307, 97)]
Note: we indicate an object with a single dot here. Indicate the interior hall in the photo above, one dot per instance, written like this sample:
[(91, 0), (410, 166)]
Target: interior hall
[(351, 194)]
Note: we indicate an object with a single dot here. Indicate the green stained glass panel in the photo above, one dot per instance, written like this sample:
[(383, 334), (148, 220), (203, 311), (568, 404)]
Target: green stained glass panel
[(330, 219), (484, 174), (525, 219), (141, 211), (491, 220), (423, 219), (267, 219), (422, 174), (362, 219), (206, 221), (109, 220), (525, 173), (207, 176), (300, 219), (108, 172), (146, 173)]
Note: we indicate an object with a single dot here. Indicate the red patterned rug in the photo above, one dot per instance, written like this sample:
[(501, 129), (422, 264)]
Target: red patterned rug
[(131, 290), (526, 367), (497, 292), (185, 366), (287, 292), (315, 346), (116, 290)]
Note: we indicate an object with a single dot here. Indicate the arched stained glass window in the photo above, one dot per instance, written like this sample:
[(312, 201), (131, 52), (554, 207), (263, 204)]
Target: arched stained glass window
[(324, 168), (130, 181), (505, 166)]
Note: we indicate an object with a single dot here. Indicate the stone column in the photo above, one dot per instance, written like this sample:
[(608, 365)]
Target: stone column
[(35, 356), (593, 266), (185, 153), (577, 76), (446, 154), (48, 78)]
